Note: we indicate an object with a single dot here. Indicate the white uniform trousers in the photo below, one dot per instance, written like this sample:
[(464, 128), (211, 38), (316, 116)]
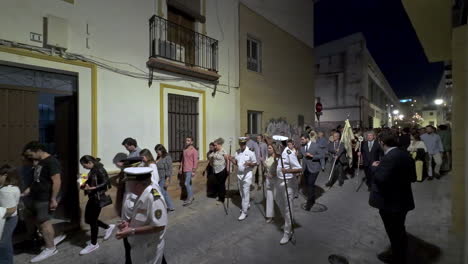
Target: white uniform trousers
[(281, 200), (243, 182), (270, 196)]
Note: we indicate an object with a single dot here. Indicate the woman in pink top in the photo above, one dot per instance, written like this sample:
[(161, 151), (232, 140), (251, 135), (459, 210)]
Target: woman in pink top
[(189, 167)]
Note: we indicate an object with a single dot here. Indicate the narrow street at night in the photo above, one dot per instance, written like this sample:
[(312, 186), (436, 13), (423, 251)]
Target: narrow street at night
[(204, 234)]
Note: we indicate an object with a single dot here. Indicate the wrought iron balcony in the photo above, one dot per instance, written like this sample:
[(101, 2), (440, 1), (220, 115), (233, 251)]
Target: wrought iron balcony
[(174, 42)]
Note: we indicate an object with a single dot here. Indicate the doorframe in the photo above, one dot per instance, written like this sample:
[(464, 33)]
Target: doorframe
[(94, 85), (163, 91)]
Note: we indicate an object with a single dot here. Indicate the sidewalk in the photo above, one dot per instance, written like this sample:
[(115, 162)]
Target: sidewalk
[(203, 233)]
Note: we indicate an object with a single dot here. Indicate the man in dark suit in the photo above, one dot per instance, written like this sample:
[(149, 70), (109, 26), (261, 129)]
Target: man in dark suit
[(370, 151), (391, 193), (338, 153), (311, 154)]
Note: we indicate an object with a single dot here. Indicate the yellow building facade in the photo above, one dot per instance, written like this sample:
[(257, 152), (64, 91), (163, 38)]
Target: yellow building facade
[(445, 40), (276, 75)]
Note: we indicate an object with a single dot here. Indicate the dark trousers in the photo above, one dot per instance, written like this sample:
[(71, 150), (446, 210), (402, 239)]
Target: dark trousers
[(211, 183), (338, 173), (92, 212), (394, 223), (128, 248), (310, 179), (368, 173), (220, 184)]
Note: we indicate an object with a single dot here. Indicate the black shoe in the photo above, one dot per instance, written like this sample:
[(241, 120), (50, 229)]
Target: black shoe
[(336, 259), (430, 178), (328, 184), (437, 176), (385, 257), (341, 183), (307, 206)]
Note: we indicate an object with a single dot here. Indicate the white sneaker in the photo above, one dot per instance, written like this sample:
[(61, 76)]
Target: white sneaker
[(285, 239), (242, 216), (109, 232), (46, 253), (59, 239), (89, 248)]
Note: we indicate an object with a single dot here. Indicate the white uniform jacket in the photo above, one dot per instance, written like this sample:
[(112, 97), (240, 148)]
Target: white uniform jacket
[(290, 161), (149, 209)]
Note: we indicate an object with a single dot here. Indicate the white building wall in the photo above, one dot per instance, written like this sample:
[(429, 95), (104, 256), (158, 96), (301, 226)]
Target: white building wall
[(344, 67), (118, 32)]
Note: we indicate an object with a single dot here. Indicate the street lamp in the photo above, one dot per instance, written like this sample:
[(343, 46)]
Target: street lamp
[(396, 112), (401, 117), (438, 101)]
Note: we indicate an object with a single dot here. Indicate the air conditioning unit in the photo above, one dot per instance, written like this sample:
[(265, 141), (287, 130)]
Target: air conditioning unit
[(171, 50)]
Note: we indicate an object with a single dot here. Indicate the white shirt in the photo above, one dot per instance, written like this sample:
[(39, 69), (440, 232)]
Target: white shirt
[(149, 210), (415, 145), (242, 157), (9, 197), (290, 161)]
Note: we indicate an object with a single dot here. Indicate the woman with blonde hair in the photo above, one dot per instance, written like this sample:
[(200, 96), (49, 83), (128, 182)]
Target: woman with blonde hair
[(219, 162), (270, 165), (148, 161)]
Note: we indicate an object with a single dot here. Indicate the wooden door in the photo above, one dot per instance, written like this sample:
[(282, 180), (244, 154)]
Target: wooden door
[(18, 123)]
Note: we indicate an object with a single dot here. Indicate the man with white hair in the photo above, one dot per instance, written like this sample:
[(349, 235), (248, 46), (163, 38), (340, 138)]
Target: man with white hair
[(371, 151)]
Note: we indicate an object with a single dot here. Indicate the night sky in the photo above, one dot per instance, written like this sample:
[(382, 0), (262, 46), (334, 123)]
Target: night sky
[(391, 40)]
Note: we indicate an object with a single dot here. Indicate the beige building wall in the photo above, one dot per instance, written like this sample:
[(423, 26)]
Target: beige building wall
[(285, 86), (432, 21), (460, 121)]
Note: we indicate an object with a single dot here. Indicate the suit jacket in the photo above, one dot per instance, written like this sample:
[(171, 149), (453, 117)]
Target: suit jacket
[(341, 153), (311, 165), (369, 156), (391, 186)]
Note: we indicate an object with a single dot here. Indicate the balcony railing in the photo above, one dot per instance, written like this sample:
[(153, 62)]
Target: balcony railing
[(174, 42)]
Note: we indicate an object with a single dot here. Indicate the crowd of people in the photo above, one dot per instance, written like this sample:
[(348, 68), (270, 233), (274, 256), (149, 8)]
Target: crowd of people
[(277, 165)]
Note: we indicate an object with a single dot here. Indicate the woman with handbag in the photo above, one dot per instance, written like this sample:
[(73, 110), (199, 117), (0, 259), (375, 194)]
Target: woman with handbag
[(95, 187)]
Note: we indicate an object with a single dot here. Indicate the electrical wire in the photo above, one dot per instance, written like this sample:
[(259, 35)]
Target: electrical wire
[(138, 75)]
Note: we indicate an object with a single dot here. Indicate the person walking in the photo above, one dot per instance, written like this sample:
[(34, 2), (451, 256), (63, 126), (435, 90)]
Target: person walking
[(392, 195), (287, 167), (323, 144), (270, 165), (311, 154), (370, 151), (337, 150), (146, 228), (446, 137), (164, 164), (188, 168), (43, 192), (209, 173), (148, 161), (434, 149), (245, 160), (418, 152), (253, 146), (219, 160), (263, 154), (95, 187), (9, 200)]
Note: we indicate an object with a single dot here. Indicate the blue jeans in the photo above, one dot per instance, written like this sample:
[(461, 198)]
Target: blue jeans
[(188, 184), (167, 198), (6, 243)]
